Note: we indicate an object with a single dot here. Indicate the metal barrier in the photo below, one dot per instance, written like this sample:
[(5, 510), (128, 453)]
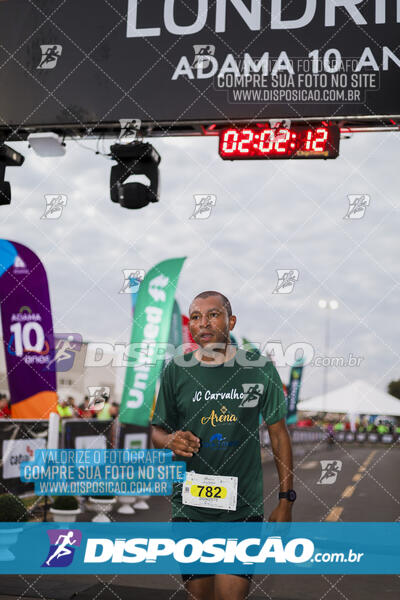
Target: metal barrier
[(303, 435)]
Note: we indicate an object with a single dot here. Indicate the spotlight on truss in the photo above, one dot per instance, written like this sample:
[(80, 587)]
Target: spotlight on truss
[(8, 158), (137, 158)]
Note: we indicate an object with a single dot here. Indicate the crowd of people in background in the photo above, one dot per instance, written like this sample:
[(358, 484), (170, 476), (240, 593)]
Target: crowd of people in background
[(68, 409), (364, 425)]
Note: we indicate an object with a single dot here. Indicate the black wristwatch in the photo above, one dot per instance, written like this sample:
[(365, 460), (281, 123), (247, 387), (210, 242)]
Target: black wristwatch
[(289, 495)]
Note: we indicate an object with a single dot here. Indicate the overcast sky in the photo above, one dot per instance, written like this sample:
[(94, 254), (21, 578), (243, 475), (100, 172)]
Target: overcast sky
[(268, 216)]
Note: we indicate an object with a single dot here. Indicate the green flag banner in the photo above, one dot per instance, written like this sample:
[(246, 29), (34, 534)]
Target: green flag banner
[(233, 340), (250, 346), (293, 392), (175, 332), (151, 327)]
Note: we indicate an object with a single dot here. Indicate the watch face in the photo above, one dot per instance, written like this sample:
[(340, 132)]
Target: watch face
[(291, 495)]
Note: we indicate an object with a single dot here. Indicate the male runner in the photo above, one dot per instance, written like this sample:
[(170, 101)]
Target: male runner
[(208, 411)]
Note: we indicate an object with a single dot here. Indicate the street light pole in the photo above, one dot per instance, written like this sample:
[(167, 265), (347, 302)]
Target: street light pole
[(327, 306), (326, 352)]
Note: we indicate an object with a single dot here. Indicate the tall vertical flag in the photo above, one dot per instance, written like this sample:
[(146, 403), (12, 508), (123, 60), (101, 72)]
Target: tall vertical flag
[(27, 332), (135, 284), (151, 326), (249, 346), (175, 332), (175, 340), (293, 392)]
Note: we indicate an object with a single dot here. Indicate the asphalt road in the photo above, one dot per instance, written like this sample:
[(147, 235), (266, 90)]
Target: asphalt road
[(366, 488)]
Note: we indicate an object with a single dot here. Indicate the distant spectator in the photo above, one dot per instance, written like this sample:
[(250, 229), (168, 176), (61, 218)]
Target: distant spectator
[(114, 410), (109, 411), (84, 411), (64, 409), (4, 407), (75, 409), (105, 413)]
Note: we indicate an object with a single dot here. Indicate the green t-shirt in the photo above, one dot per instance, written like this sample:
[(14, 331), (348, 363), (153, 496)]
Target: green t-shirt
[(221, 405)]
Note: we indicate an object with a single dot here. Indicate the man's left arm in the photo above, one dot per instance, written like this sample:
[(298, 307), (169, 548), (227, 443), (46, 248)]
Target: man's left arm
[(282, 451)]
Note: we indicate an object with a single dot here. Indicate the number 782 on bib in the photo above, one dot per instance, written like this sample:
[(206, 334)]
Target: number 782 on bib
[(207, 491)]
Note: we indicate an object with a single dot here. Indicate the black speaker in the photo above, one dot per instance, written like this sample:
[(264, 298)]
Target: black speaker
[(5, 193)]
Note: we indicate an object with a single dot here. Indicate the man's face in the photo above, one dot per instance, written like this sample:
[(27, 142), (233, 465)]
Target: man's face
[(209, 322)]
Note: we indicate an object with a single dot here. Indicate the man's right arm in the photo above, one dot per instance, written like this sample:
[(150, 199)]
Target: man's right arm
[(182, 443)]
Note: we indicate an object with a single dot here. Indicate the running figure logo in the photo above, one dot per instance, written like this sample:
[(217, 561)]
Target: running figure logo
[(252, 394), (50, 55), (357, 206), (62, 547), (98, 396), (286, 280), (132, 280), (54, 206), (330, 470), (203, 205), (202, 53), (65, 351)]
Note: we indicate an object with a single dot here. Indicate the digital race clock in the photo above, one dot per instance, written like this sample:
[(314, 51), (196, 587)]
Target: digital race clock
[(295, 142)]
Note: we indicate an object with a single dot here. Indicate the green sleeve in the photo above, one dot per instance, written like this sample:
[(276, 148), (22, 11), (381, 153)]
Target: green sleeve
[(165, 413), (273, 407)]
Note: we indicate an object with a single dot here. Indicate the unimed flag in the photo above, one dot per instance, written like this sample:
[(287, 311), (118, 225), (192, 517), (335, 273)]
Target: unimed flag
[(27, 332), (150, 329)]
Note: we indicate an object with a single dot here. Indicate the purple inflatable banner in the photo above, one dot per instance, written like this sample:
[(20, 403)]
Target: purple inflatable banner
[(27, 332)]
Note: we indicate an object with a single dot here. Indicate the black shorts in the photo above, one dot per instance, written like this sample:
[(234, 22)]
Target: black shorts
[(185, 576)]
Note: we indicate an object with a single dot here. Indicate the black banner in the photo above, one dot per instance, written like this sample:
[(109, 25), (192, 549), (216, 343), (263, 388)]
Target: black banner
[(84, 434), (171, 61), (133, 437)]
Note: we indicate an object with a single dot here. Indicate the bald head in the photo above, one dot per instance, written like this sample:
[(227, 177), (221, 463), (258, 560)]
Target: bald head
[(224, 300)]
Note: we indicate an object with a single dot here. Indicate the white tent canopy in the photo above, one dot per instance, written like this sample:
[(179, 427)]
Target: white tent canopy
[(355, 398)]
